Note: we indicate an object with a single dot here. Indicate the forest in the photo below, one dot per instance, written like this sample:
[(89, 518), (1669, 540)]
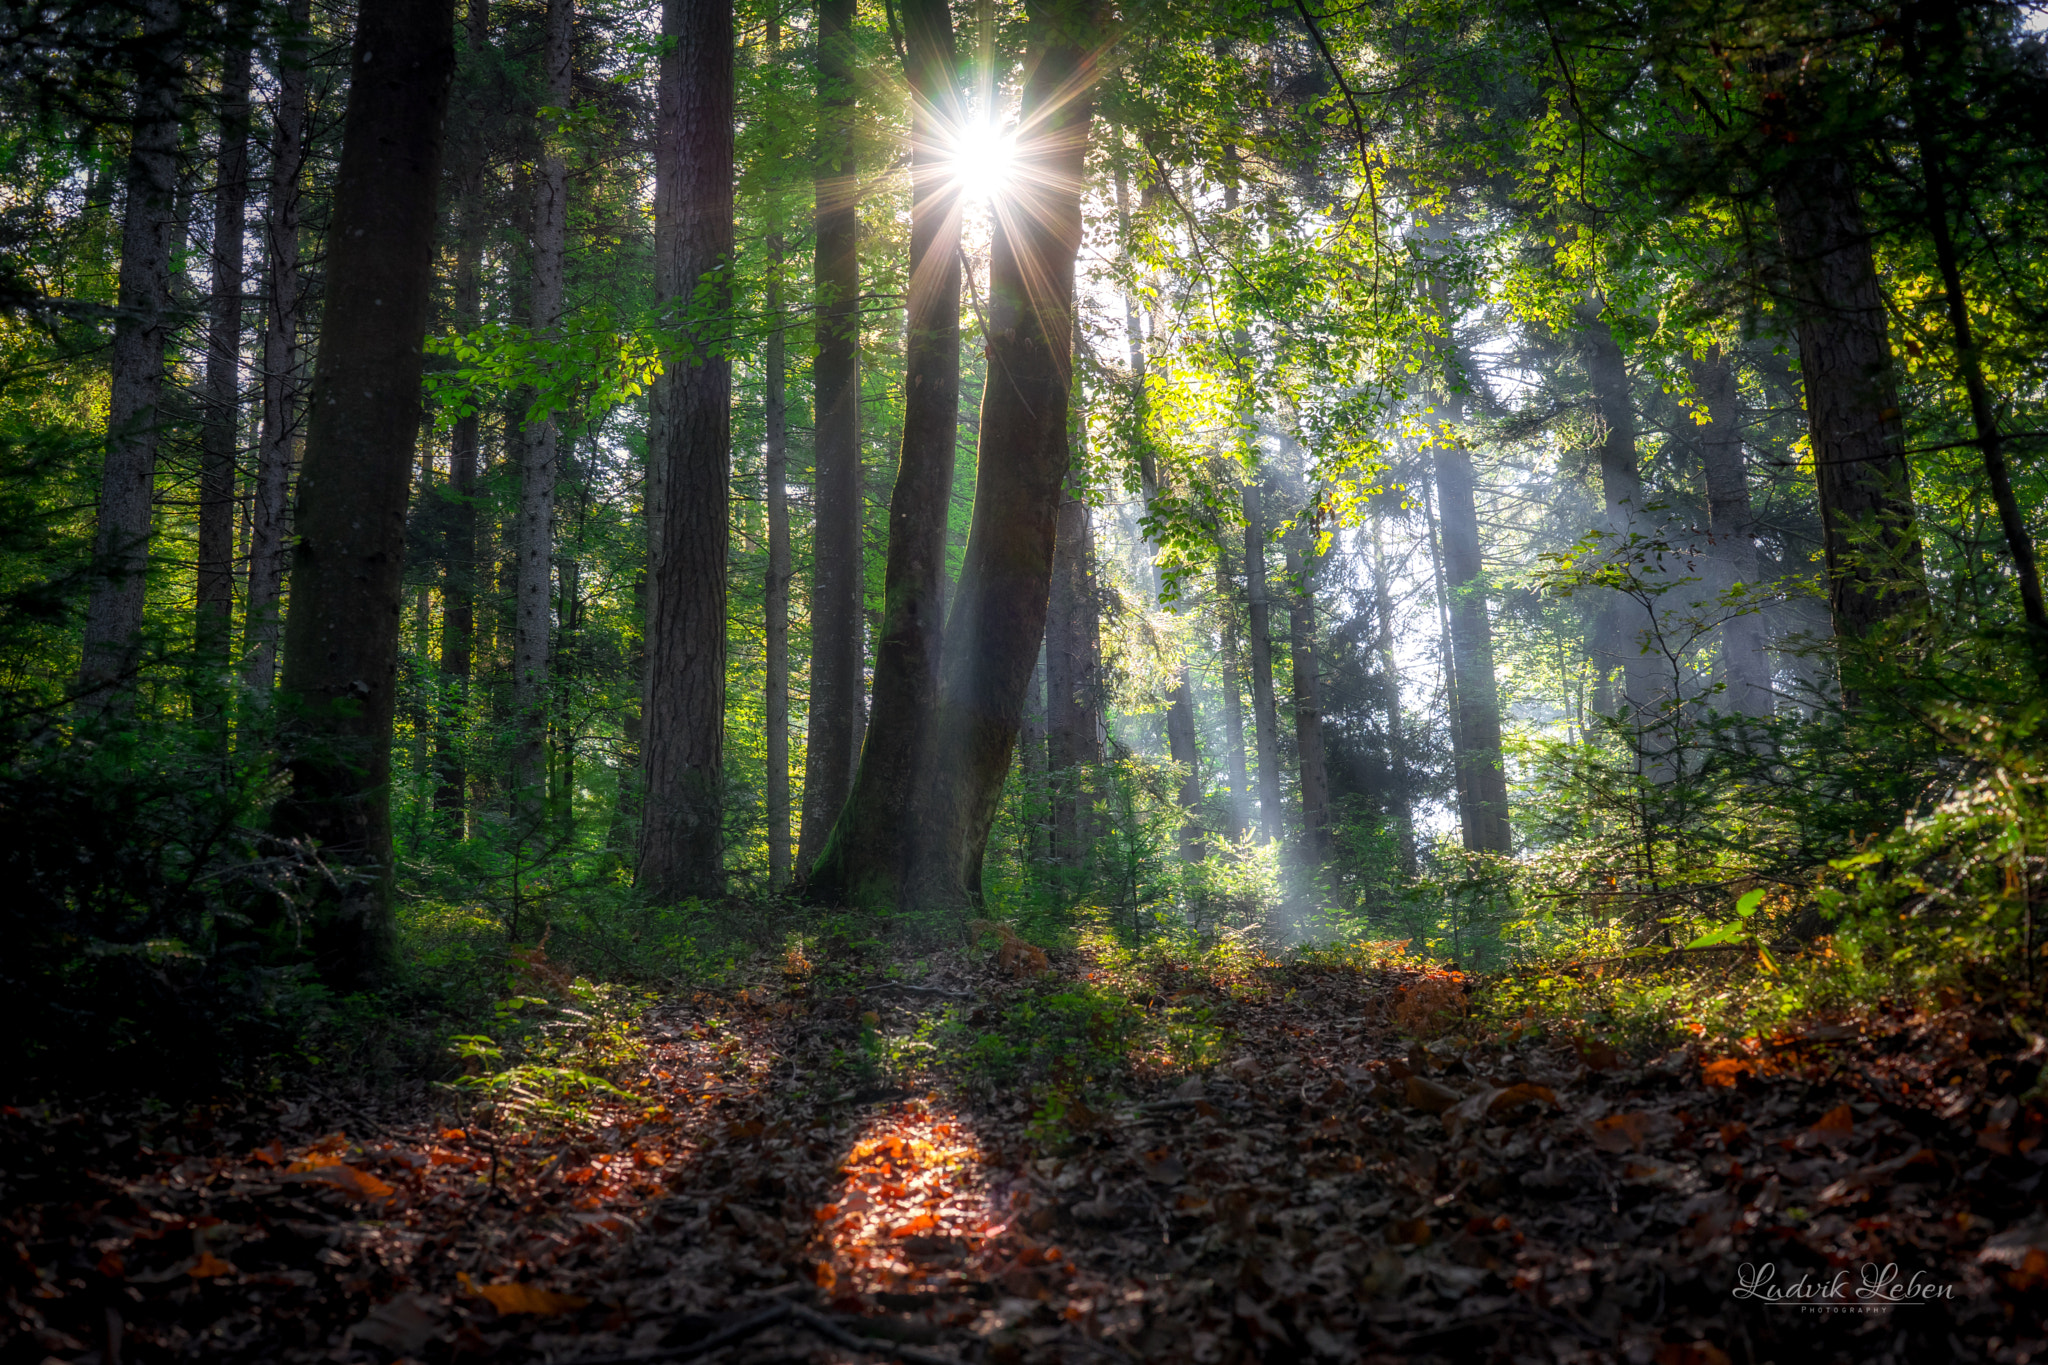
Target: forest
[(995, 682)]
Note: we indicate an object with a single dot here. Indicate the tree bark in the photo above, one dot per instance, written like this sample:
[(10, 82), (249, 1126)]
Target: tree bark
[(1397, 749), (1482, 776), (776, 418), (113, 614), (1732, 528), (465, 452), (1302, 563), (1072, 687), (865, 858), (1265, 716), (268, 521), (1870, 546), (1034, 744), (829, 754), (682, 746), (1622, 620), (221, 434), (341, 639), (533, 530), (998, 615)]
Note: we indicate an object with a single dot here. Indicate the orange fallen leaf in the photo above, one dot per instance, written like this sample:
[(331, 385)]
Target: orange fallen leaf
[(582, 1175), (1409, 1232), (1724, 1072), (453, 1135), (347, 1179), (1429, 1096), (209, 1265), (272, 1155), (924, 1222), (1838, 1123), (1621, 1132), (528, 1298)]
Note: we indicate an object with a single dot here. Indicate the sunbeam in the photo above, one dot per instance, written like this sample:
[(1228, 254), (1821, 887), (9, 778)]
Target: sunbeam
[(983, 160)]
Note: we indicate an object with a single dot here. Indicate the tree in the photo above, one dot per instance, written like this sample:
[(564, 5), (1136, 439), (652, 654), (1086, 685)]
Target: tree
[(341, 637), (689, 449), (1732, 527), (829, 754), (998, 614), (865, 857), (113, 616), (533, 537), (221, 433)]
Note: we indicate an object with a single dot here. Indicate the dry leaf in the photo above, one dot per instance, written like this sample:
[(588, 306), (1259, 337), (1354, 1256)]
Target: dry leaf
[(1837, 1125), (207, 1265), (529, 1298), (1724, 1072), (1430, 1097), (1621, 1132)]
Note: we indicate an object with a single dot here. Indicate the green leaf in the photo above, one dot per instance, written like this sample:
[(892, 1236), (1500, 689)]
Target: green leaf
[(1749, 902), (1727, 933)]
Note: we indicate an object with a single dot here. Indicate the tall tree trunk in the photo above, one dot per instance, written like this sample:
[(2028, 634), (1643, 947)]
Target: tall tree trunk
[(1180, 710), (1265, 715), (1482, 777), (776, 417), (866, 856), (1618, 641), (1034, 744), (221, 433), (341, 639), (1731, 525), (1869, 544), (113, 614), (1302, 563), (533, 531), (1934, 169), (683, 736), (998, 615), (1397, 748), (1072, 687), (829, 754), (465, 450), (281, 308), (1233, 695)]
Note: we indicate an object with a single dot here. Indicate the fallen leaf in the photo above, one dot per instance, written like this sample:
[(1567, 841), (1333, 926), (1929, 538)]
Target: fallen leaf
[(1162, 1167), (403, 1326), (1621, 1132), (207, 1265), (513, 1298), (1837, 1125), (1409, 1232), (347, 1179), (1430, 1097), (1724, 1072)]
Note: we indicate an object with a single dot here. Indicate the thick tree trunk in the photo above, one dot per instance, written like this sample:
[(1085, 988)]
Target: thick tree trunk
[(113, 614), (1302, 563), (866, 856), (1618, 637), (533, 528), (268, 520), (829, 754), (1869, 544), (682, 744), (1482, 776), (998, 615), (1265, 715), (1745, 666), (341, 640), (1397, 749), (1233, 696), (465, 453), (220, 437)]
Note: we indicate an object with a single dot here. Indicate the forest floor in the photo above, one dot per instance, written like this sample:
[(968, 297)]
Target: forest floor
[(1319, 1187)]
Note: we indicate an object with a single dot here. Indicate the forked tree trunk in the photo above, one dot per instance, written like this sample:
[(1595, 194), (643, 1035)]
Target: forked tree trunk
[(220, 436), (1869, 544), (341, 640), (1265, 715), (465, 453), (829, 753), (682, 744), (269, 516), (866, 856), (1731, 525), (998, 615), (120, 563), (533, 528)]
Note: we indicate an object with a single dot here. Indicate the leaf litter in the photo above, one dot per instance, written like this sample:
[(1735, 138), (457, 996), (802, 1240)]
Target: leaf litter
[(1332, 1189)]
